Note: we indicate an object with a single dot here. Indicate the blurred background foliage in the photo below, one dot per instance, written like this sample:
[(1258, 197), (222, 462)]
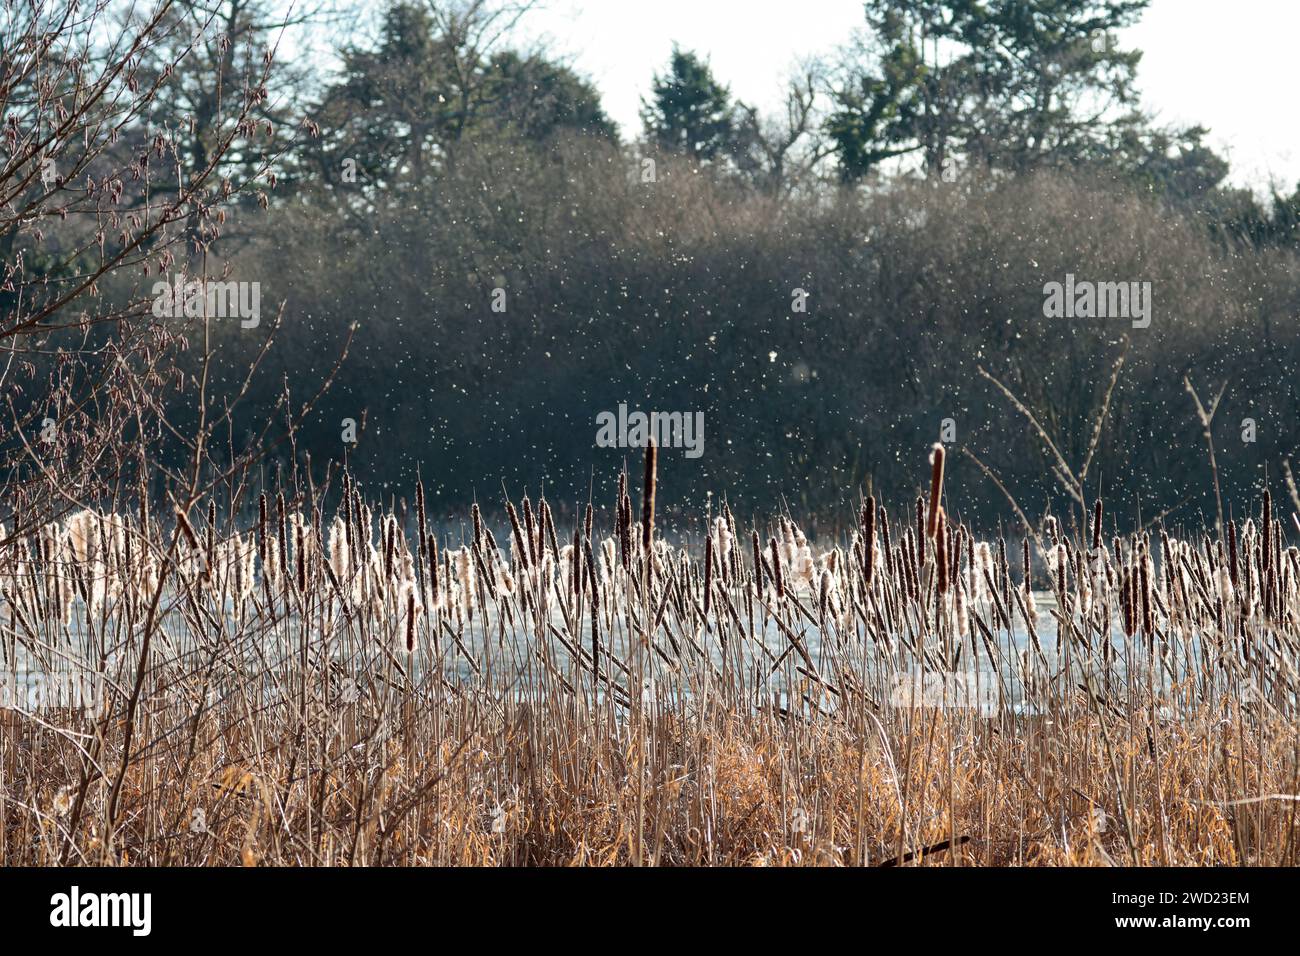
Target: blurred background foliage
[(920, 186)]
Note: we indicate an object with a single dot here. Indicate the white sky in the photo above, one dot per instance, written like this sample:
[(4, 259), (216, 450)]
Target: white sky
[(1229, 65)]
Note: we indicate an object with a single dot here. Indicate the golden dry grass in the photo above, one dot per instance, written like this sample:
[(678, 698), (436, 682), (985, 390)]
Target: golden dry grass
[(736, 704)]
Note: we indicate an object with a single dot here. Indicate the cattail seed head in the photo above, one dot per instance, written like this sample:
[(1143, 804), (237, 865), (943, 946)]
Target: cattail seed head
[(936, 488)]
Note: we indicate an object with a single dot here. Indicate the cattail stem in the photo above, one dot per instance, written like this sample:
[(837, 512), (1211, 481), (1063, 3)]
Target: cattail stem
[(648, 497)]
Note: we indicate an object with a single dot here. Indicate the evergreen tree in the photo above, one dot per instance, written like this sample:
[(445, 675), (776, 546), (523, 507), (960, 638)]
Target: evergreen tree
[(1009, 84), (403, 106), (689, 110)]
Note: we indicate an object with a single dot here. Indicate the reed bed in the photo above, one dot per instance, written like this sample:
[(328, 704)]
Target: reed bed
[(352, 689)]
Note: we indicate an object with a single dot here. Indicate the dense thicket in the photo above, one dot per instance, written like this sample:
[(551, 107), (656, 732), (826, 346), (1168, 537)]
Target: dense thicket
[(677, 296), (514, 268)]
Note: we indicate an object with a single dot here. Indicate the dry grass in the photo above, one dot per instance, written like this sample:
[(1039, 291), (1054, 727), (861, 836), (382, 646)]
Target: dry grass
[(355, 692)]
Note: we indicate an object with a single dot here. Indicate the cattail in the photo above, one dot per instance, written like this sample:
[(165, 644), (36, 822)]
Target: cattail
[(59, 595), (347, 506), (1084, 580), (758, 563), (936, 488), (339, 555), (869, 539), (79, 527), (981, 570), (248, 554), (300, 554), (421, 535), (1266, 534), (920, 530), (505, 582), (1004, 571), (733, 567), (1225, 587), (187, 530), (777, 578), (941, 555), (911, 566), (261, 527), (960, 614), (433, 571), (520, 545), (575, 564), (608, 559), (1027, 677), (798, 557), (595, 611), (722, 531), (410, 619), (1126, 600), (419, 506), (1146, 571), (283, 536), (1096, 525), (548, 528), (1031, 605), (530, 531), (465, 571), (388, 540), (476, 516), (708, 574), (885, 542), (625, 531), (648, 496)]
